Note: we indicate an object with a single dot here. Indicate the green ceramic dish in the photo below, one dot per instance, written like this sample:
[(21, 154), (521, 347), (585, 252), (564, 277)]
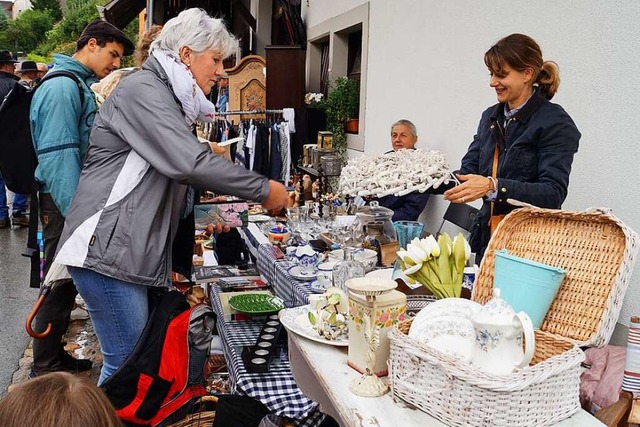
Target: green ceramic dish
[(256, 304)]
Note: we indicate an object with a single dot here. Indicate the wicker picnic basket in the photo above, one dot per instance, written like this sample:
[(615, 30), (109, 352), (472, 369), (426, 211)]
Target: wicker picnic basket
[(597, 252)]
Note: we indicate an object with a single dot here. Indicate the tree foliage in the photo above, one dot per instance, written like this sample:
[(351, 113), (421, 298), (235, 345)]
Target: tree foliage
[(4, 19), (25, 32), (75, 17), (35, 36), (53, 6)]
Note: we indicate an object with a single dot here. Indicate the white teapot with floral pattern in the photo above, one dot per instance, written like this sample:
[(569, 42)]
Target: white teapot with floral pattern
[(499, 334)]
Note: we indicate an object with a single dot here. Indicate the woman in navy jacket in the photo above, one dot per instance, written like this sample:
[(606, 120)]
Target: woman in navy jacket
[(534, 140)]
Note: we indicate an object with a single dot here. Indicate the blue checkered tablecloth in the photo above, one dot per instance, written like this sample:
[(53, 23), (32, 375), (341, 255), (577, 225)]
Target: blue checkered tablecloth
[(277, 388), (293, 292)]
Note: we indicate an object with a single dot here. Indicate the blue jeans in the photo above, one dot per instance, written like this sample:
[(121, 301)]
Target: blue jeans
[(19, 202), (119, 312)]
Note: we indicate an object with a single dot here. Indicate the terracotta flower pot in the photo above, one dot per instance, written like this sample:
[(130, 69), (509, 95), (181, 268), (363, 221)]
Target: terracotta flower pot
[(351, 125)]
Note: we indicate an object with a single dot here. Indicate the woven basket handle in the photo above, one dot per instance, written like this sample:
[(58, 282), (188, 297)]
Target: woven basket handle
[(408, 385), (600, 210), (518, 203)]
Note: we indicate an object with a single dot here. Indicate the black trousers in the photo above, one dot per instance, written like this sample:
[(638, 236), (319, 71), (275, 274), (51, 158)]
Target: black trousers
[(59, 303)]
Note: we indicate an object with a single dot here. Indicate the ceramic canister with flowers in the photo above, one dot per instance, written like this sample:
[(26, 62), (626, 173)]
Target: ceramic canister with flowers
[(436, 264), (391, 308)]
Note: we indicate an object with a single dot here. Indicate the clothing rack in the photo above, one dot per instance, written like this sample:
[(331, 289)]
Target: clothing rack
[(241, 112)]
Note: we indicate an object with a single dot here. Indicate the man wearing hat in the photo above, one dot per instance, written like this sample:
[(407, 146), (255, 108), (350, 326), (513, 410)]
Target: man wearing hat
[(61, 121), (28, 73), (7, 80)]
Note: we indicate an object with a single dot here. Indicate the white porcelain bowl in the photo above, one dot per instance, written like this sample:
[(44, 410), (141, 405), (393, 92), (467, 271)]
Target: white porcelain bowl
[(368, 257)]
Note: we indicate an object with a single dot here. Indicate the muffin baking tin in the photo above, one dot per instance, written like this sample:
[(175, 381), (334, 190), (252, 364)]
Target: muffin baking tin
[(258, 358)]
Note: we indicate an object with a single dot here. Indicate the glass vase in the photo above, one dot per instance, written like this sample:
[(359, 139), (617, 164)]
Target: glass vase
[(346, 269)]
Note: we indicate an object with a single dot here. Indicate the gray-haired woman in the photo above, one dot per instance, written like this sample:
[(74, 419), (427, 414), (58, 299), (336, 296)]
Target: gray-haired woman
[(142, 157)]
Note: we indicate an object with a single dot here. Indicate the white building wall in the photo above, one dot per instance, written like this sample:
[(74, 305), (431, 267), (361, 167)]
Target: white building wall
[(20, 6), (425, 63)]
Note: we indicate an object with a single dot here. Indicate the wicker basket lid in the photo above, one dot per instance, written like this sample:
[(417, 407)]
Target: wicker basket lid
[(597, 252)]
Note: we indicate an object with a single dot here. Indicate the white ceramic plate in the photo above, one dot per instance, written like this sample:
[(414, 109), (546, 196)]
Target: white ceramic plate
[(296, 320), (445, 307), (296, 273), (385, 273), (259, 218), (452, 335)]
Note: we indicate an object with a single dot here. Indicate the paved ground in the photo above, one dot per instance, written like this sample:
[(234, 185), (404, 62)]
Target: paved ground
[(16, 299)]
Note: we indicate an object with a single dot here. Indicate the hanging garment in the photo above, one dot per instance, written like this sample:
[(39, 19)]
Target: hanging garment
[(250, 145), (275, 163), (261, 151), (285, 152), (289, 116)]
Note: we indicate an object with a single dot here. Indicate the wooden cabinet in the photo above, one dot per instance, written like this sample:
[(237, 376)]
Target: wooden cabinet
[(285, 77)]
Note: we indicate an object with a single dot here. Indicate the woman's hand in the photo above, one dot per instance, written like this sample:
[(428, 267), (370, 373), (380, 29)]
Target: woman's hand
[(277, 197), (472, 187), (216, 149)]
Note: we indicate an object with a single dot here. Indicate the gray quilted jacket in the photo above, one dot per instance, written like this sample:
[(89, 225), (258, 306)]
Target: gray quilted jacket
[(142, 155)]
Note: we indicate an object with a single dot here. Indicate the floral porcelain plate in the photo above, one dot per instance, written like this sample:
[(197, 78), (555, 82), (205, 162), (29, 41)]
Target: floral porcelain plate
[(445, 307), (296, 320), (452, 335), (316, 287)]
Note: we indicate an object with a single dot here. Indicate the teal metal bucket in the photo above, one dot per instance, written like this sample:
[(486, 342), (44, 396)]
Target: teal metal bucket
[(527, 285)]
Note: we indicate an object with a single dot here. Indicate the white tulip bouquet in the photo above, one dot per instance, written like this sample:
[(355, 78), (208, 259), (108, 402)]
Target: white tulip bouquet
[(437, 265)]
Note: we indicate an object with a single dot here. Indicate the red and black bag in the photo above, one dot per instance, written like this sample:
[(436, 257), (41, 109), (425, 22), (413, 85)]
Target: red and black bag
[(168, 365)]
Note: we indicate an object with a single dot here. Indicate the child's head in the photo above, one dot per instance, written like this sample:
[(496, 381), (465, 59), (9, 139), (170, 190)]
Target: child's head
[(57, 399)]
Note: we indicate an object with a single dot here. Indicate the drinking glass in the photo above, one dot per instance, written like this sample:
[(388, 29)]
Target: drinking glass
[(407, 231)]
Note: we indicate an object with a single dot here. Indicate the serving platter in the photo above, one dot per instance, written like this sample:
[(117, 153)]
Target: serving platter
[(296, 320)]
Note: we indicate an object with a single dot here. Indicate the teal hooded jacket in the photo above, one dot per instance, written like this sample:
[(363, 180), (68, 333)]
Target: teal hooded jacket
[(60, 127)]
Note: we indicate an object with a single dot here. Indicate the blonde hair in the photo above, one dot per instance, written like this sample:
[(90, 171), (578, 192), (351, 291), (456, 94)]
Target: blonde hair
[(520, 52), (57, 399), (144, 43)]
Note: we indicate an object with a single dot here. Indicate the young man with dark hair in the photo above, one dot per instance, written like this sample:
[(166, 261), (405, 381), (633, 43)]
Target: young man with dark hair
[(61, 120)]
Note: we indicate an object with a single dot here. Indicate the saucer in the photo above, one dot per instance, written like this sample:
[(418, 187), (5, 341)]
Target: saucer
[(296, 273), (316, 287)]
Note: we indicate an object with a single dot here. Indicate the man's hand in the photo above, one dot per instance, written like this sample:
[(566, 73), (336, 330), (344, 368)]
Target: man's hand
[(216, 228), (472, 187), (277, 197)]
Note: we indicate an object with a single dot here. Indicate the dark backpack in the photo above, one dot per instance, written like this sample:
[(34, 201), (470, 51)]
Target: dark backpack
[(18, 159), (167, 367)]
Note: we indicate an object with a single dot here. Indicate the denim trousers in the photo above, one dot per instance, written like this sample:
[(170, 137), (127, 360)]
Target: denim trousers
[(119, 312), (19, 202)]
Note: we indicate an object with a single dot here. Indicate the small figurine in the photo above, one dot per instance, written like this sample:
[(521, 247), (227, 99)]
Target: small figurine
[(307, 191)]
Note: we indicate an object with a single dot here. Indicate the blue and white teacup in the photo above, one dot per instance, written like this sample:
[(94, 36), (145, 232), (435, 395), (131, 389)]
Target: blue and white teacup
[(307, 259), (325, 273)]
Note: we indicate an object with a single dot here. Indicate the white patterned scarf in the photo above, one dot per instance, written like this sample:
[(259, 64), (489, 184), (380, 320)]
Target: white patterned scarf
[(194, 103)]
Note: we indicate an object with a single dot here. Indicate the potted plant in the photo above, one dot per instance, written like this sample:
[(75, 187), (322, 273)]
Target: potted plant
[(341, 105)]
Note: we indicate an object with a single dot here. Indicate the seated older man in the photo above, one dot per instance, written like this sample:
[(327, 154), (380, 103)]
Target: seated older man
[(405, 208)]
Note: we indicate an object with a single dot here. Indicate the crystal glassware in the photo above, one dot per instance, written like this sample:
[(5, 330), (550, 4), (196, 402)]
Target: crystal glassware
[(346, 269)]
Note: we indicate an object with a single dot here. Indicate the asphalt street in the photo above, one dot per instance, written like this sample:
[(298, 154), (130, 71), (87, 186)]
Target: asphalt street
[(16, 300)]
